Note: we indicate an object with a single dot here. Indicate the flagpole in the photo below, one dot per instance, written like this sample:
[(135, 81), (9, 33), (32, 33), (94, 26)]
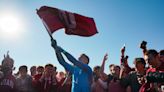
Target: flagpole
[(47, 28)]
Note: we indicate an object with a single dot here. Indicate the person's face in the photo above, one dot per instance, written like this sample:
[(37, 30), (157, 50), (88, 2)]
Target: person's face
[(61, 74), (83, 59), (49, 70), (112, 70), (40, 70), (151, 60), (97, 71), (117, 70), (33, 70), (162, 58), (139, 67), (23, 72), (7, 71)]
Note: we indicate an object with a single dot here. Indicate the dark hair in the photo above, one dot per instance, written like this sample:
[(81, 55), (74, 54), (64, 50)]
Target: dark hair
[(49, 65), (161, 52), (152, 52), (23, 67), (96, 68), (55, 68), (86, 57), (40, 67), (32, 67), (139, 60), (111, 65), (117, 66)]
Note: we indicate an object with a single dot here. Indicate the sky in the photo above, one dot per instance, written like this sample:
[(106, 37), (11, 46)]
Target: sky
[(118, 22)]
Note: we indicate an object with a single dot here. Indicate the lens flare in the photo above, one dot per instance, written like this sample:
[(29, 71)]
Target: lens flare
[(11, 25)]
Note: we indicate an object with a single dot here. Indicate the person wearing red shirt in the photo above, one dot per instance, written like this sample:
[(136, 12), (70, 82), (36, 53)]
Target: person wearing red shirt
[(157, 68)]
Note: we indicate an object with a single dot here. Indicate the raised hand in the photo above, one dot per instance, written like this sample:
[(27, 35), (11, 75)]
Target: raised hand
[(123, 50), (143, 45), (59, 49), (105, 57), (103, 62)]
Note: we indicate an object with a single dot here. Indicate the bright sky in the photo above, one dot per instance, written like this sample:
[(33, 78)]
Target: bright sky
[(118, 22)]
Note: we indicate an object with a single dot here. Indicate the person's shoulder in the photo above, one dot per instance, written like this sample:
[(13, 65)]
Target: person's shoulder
[(17, 78), (12, 77), (151, 70), (133, 72), (89, 67), (28, 76), (110, 75)]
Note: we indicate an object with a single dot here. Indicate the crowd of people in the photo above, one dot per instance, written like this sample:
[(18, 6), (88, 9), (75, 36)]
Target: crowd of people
[(146, 76)]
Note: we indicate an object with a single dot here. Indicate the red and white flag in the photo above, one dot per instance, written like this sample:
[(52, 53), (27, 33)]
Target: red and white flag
[(73, 23)]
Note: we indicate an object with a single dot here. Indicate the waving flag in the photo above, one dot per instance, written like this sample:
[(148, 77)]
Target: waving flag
[(73, 23)]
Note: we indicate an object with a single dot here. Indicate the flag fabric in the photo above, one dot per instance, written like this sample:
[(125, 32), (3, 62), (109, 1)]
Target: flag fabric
[(50, 17), (74, 24)]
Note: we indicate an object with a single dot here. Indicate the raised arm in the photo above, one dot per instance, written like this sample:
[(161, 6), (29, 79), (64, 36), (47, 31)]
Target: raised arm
[(84, 67), (60, 58), (122, 55), (103, 76), (70, 57), (103, 62), (143, 47), (77, 63)]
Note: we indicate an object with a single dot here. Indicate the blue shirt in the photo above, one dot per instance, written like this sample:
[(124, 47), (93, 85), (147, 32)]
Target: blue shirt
[(81, 74)]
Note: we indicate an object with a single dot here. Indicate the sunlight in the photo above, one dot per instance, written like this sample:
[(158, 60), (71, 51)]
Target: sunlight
[(11, 24)]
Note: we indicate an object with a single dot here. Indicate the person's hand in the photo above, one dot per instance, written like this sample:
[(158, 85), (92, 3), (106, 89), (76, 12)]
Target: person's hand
[(126, 60), (59, 49), (42, 77), (143, 45), (123, 49), (53, 43), (105, 57)]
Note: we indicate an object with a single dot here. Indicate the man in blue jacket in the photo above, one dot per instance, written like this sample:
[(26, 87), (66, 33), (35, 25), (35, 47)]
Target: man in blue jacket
[(81, 72)]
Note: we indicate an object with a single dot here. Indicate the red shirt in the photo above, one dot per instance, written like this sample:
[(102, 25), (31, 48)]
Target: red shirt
[(148, 85), (35, 82)]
